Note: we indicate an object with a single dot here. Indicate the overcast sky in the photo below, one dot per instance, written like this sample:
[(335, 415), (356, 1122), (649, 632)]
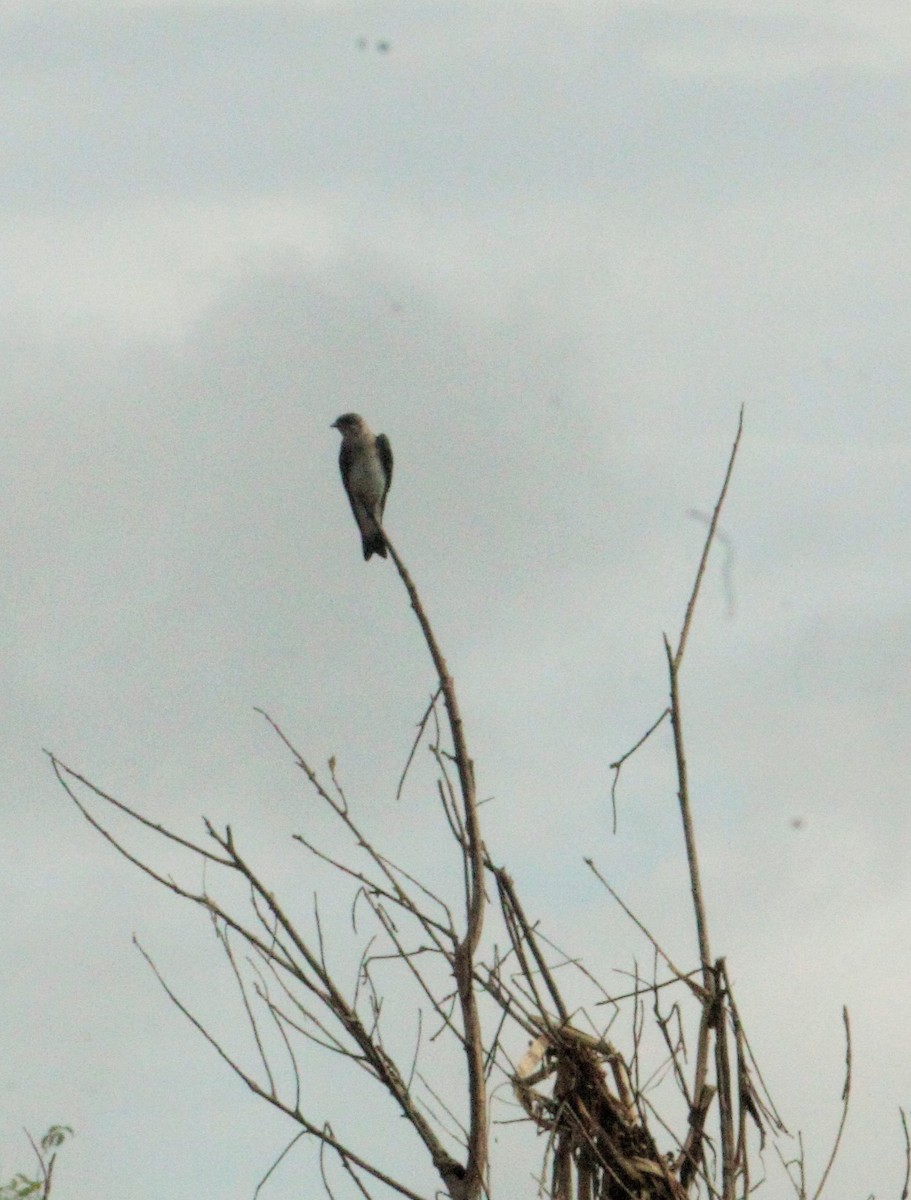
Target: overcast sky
[(549, 249)]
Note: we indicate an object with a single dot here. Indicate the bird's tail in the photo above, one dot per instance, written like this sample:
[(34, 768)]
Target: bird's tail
[(374, 543)]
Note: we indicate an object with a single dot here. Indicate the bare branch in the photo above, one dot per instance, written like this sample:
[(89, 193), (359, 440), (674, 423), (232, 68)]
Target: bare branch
[(476, 1168), (710, 537), (45, 1167), (200, 899), (676, 1047), (904, 1120), (683, 796), (417, 1050), (422, 725), (262, 1183), (358, 1182), (458, 1131), (61, 770), (396, 896), (680, 975), (223, 938), (513, 911), (276, 1101), (766, 1106), (723, 1079), (617, 766), (845, 1096)]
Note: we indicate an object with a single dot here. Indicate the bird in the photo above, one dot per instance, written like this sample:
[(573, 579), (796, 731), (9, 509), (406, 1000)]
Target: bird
[(365, 462)]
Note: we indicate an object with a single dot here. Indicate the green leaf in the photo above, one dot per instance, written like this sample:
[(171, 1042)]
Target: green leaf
[(56, 1136)]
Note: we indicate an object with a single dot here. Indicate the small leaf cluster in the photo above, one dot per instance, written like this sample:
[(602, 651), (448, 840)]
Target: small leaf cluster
[(21, 1185)]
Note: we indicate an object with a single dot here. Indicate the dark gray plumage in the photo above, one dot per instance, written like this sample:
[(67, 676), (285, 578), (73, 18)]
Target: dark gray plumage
[(365, 461)]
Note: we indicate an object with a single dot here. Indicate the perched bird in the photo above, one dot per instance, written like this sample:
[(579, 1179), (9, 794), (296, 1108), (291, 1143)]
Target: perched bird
[(366, 465)]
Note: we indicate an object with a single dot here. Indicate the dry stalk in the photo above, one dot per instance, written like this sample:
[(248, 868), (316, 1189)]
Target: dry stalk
[(471, 1185), (845, 1098)]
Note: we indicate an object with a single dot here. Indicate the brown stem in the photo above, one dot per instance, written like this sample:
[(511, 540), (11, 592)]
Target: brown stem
[(710, 537), (689, 836), (476, 1168), (845, 1097)]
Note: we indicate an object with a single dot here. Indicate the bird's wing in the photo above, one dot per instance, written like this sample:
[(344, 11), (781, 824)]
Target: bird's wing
[(345, 457), (384, 450)]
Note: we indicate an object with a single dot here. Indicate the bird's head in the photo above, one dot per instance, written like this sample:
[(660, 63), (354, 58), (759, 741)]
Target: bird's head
[(348, 423)]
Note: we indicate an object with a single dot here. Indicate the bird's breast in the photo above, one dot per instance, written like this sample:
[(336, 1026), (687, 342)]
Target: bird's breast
[(366, 478)]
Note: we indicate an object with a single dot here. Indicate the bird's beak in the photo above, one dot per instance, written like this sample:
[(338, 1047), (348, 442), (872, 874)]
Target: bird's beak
[(334, 425)]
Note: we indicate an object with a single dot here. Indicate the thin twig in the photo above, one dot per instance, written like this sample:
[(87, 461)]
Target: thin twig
[(61, 769), (201, 899), (262, 1183), (845, 1097), (422, 725), (358, 1182), (458, 1133), (765, 1102), (904, 1119), (682, 976), (275, 1101), (710, 537), (723, 1079), (616, 766), (279, 1021), (46, 1168), (689, 835), (472, 1184), (223, 938), (508, 891)]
